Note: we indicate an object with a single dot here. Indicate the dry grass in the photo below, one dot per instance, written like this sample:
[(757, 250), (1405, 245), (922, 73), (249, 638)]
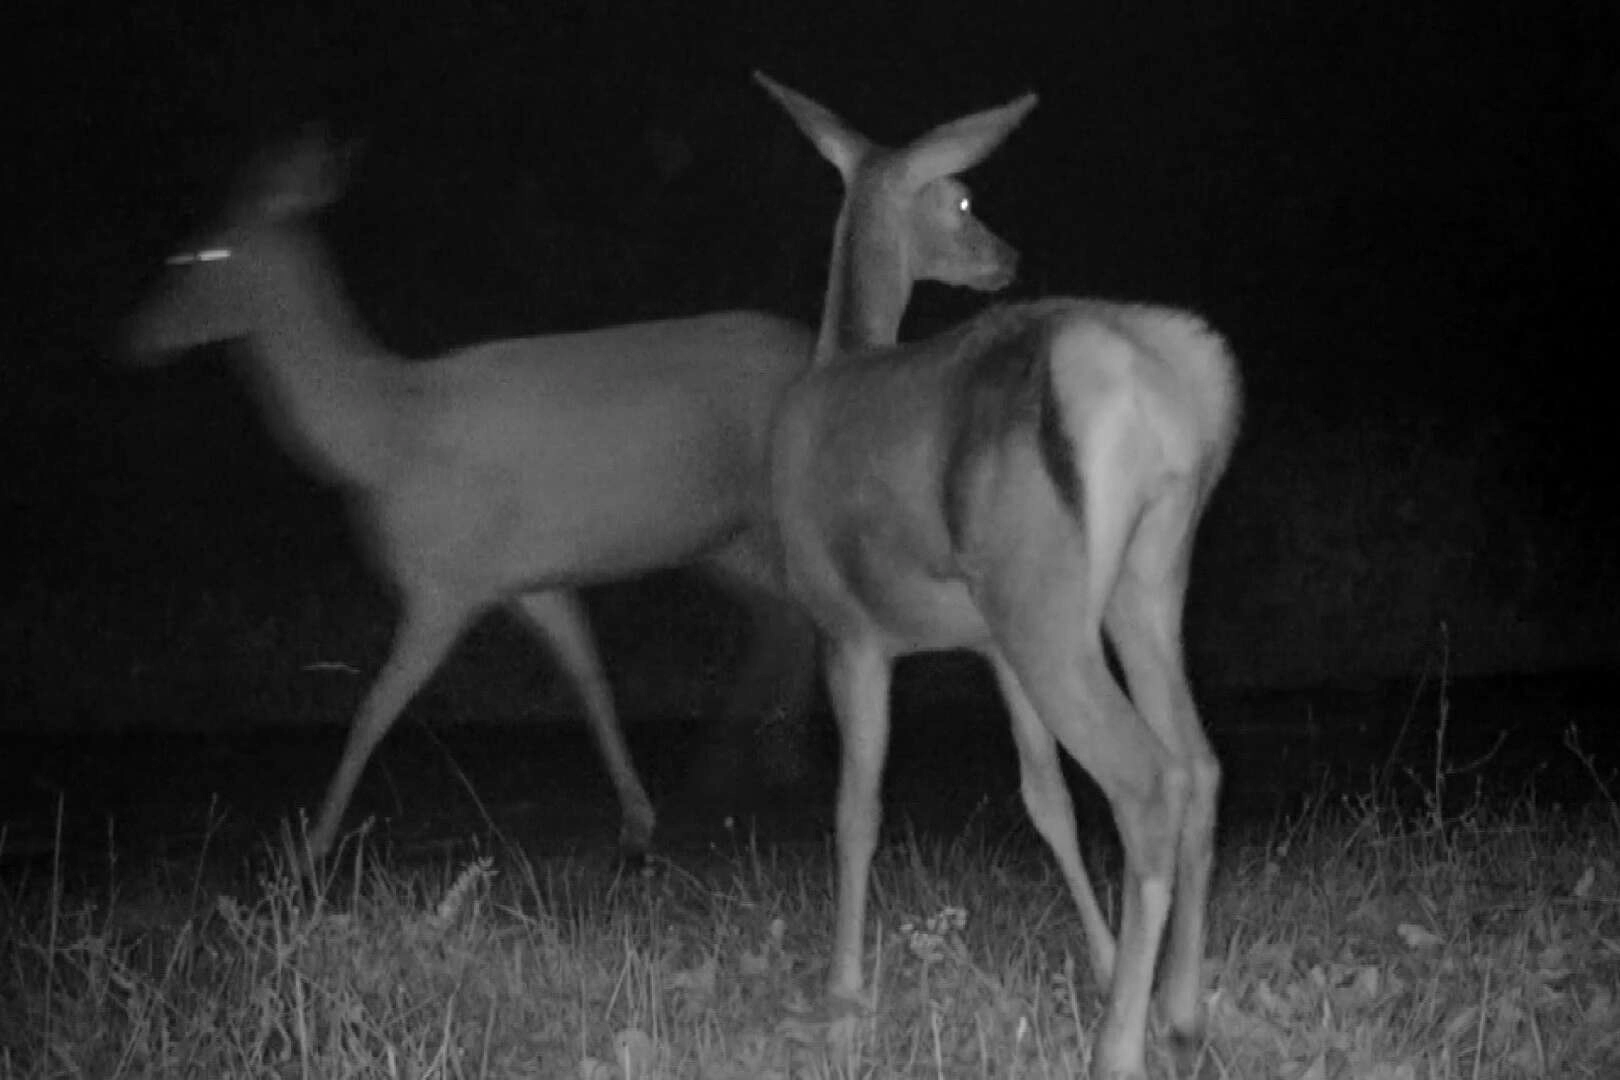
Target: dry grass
[(1361, 939), (1355, 945)]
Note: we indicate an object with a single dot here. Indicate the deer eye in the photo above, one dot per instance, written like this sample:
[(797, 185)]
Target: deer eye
[(201, 255), (964, 205)]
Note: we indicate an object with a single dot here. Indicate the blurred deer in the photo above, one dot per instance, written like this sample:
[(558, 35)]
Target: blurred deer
[(510, 472)]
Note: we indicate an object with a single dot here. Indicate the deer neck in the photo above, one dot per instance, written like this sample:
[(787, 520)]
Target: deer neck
[(323, 380), (868, 288)]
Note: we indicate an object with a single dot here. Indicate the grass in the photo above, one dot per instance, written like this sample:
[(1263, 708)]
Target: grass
[(1362, 938)]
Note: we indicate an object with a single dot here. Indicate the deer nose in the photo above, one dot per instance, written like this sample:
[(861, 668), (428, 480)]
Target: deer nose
[(1001, 274)]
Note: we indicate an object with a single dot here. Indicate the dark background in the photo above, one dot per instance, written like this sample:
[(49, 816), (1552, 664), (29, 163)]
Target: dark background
[(1403, 216)]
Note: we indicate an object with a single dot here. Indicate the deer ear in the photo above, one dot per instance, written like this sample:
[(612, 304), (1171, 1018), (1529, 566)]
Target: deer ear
[(961, 144), (303, 175), (839, 143)]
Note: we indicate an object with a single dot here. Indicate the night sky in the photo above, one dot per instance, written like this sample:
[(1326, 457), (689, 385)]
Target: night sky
[(1403, 216)]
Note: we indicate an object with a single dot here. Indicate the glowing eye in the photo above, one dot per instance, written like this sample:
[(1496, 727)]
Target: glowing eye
[(202, 255), (964, 205)]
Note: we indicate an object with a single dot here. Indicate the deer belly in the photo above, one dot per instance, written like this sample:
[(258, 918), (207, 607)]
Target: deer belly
[(559, 526), (616, 537)]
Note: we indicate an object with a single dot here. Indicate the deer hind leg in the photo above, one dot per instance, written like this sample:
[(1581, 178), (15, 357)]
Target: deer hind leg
[(427, 629), (1046, 797), (1043, 591), (1144, 622), (771, 699), (858, 677), (1071, 689), (559, 618), (769, 705)]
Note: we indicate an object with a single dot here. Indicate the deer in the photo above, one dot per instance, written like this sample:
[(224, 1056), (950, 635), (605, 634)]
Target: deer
[(505, 474), (1019, 485)]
